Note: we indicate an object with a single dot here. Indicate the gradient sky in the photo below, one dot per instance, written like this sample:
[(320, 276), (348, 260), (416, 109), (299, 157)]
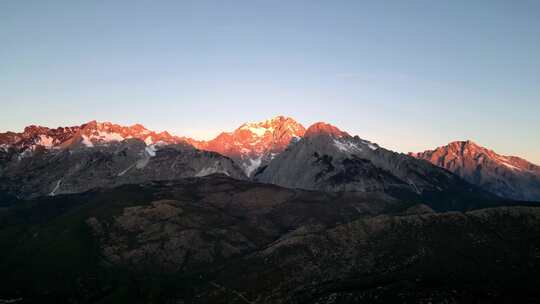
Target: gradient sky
[(409, 75)]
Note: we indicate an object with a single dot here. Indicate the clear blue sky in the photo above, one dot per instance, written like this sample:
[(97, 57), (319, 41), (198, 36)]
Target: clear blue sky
[(409, 75)]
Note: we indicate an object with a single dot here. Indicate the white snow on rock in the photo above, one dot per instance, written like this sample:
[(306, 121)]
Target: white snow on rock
[(148, 140), (505, 162), (151, 150), (511, 166), (370, 145), (45, 141), (56, 187), (257, 130), (127, 169), (346, 146), (108, 137), (86, 141), (24, 154), (253, 165), (211, 170)]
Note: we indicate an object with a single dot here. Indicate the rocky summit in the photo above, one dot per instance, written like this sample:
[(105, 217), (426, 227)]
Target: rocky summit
[(332, 160), (255, 144), (507, 176)]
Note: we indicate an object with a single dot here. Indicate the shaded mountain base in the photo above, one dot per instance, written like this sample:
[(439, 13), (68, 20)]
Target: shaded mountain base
[(219, 240)]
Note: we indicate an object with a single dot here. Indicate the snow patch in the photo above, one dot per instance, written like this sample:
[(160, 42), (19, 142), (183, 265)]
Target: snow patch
[(414, 186), (108, 137), (24, 154), (255, 129), (211, 170), (86, 141), (148, 140), (369, 144), (45, 141), (346, 146), (504, 161), (252, 166), (372, 146), (151, 150), (56, 187), (127, 169), (511, 166)]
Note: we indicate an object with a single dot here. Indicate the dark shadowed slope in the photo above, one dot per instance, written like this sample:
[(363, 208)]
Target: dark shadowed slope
[(220, 240)]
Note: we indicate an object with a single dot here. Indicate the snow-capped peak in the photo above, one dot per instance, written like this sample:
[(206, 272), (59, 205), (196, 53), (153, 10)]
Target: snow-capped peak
[(256, 129), (90, 134), (253, 143)]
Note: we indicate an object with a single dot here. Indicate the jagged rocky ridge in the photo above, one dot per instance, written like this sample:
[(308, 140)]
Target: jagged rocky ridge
[(323, 158), (507, 176), (329, 159), (255, 144), (79, 169), (251, 145), (35, 138)]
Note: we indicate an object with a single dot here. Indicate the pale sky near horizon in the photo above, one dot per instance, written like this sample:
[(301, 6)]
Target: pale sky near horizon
[(409, 75)]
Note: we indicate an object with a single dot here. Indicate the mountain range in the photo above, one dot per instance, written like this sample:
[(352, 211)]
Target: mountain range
[(41, 160), (250, 145), (269, 213)]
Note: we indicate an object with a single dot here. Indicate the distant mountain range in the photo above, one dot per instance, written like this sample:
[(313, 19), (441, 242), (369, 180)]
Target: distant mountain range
[(251, 145), (41, 161)]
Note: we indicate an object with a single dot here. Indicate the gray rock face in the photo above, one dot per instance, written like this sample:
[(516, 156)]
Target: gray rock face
[(331, 160), (507, 176), (81, 168)]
